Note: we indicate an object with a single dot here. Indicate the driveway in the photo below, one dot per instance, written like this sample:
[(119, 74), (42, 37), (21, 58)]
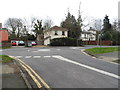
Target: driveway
[(68, 67)]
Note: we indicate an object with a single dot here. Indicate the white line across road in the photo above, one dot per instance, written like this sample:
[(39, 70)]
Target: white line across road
[(28, 56), (36, 56), (44, 50), (88, 67), (75, 47), (18, 56), (46, 56)]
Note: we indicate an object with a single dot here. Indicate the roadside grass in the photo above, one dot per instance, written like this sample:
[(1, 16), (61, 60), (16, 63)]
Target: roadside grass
[(100, 50), (5, 47), (5, 59)]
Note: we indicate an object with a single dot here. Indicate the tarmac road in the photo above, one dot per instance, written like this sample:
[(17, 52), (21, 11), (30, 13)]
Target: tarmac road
[(68, 67)]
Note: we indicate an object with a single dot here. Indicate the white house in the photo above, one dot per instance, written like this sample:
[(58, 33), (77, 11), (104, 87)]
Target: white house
[(89, 35), (54, 32)]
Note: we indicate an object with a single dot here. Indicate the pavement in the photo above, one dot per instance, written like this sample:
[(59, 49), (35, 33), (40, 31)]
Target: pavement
[(112, 56), (67, 67), (11, 76)]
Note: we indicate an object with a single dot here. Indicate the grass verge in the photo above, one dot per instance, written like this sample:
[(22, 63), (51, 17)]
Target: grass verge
[(100, 50), (5, 47), (5, 59)]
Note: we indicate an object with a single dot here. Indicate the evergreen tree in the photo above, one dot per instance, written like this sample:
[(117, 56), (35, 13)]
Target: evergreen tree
[(107, 31), (73, 26)]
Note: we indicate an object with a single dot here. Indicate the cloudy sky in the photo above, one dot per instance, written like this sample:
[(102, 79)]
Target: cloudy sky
[(56, 9)]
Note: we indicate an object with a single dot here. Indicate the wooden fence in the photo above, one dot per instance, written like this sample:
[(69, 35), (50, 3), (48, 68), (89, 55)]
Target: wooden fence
[(6, 43), (101, 42)]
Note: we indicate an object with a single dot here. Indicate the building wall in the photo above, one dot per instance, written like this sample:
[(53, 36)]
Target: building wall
[(52, 36), (91, 37), (59, 34), (4, 35)]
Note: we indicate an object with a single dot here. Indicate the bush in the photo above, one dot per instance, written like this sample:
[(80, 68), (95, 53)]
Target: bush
[(63, 42)]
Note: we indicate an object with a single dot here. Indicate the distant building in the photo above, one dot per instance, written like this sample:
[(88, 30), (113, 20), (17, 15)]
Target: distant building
[(54, 32), (89, 35), (3, 33)]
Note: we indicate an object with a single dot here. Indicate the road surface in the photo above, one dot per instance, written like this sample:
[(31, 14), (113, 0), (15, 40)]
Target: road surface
[(68, 67)]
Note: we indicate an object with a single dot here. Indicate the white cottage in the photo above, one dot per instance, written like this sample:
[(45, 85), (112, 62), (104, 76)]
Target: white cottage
[(89, 35), (54, 32)]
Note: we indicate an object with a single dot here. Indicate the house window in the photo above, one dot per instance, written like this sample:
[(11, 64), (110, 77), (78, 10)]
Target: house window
[(56, 33), (63, 33)]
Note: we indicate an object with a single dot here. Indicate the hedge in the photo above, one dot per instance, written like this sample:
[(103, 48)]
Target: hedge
[(63, 42)]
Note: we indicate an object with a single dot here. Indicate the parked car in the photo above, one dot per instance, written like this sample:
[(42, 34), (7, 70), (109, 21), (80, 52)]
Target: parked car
[(14, 43), (33, 43), (21, 43)]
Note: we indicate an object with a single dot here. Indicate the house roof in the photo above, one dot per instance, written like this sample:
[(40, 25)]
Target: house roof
[(56, 28), (91, 30)]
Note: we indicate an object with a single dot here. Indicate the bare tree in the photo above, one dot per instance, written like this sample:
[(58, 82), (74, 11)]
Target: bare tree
[(115, 24), (11, 24), (15, 25), (48, 23), (97, 24)]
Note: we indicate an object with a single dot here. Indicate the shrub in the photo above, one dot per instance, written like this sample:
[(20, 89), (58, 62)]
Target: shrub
[(63, 42)]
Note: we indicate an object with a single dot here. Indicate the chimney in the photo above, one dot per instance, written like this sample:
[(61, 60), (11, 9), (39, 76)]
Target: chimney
[(0, 25)]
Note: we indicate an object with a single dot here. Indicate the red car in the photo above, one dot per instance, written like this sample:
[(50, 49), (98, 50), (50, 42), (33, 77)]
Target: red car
[(13, 43), (33, 43)]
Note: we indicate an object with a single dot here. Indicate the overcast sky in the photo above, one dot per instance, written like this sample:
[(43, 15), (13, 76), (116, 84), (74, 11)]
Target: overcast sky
[(56, 9)]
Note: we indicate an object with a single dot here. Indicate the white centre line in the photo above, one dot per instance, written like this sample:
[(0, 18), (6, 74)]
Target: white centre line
[(44, 50), (88, 67), (46, 56), (28, 56), (18, 56), (36, 56)]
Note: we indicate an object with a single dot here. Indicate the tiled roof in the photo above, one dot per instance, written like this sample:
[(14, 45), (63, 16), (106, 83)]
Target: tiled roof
[(56, 28)]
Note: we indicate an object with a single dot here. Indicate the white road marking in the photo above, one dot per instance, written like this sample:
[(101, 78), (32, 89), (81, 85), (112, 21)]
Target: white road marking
[(18, 56), (88, 67), (35, 51), (44, 50), (75, 47), (58, 49), (28, 56), (84, 52), (28, 50), (36, 56), (39, 50), (1, 50), (46, 56)]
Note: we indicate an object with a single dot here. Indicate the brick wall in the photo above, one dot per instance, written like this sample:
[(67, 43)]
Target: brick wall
[(4, 35)]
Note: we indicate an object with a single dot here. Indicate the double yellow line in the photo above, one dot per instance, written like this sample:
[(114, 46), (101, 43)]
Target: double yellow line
[(30, 71)]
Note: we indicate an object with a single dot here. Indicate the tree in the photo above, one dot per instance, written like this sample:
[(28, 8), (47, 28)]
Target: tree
[(97, 25), (47, 23), (73, 25), (38, 30), (107, 29), (15, 25)]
